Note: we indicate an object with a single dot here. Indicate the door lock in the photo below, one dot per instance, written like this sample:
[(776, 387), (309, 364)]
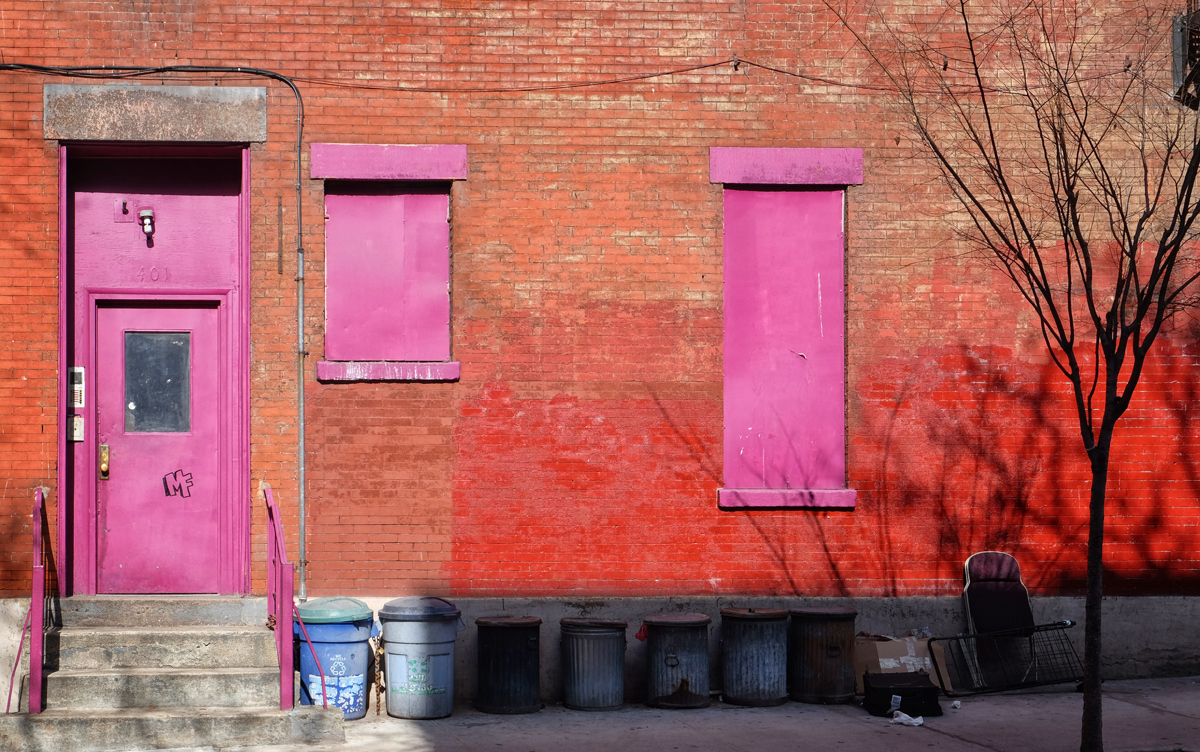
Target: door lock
[(104, 462)]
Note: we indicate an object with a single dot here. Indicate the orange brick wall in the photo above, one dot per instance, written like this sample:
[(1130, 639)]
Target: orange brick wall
[(581, 451)]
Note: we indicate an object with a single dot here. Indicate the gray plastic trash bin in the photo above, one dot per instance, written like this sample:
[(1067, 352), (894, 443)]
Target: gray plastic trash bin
[(418, 639)]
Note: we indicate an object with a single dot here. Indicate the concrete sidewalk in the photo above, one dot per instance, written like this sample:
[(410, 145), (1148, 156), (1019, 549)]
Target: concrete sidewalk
[(1142, 715)]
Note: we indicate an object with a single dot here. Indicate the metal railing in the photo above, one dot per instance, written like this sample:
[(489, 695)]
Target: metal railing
[(280, 582), (37, 608)]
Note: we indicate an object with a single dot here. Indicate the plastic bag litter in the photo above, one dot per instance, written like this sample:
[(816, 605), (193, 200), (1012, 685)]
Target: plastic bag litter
[(906, 719), (956, 704)]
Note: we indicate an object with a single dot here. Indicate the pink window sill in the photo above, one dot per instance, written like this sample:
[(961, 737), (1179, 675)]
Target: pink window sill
[(381, 370), (786, 498)]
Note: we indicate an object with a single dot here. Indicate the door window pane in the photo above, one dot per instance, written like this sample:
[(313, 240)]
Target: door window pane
[(157, 384)]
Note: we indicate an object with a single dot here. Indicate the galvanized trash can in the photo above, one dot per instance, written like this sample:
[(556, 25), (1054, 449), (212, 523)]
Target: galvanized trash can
[(593, 659), (509, 665), (821, 655), (677, 658), (418, 639), (754, 669), (339, 629)]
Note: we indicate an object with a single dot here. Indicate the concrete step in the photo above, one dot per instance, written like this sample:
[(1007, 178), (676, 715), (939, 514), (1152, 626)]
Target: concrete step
[(100, 731), (223, 646), (99, 689), (161, 610)]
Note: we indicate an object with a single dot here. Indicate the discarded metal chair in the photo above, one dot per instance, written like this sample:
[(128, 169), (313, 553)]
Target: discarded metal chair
[(1004, 649)]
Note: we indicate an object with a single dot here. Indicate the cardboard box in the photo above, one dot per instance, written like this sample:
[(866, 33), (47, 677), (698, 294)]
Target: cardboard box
[(886, 655)]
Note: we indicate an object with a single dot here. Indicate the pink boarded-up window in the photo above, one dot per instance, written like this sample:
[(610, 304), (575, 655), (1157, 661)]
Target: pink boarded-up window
[(387, 272), (387, 260), (784, 312)]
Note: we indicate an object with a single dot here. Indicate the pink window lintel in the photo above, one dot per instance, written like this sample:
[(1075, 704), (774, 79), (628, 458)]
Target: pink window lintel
[(389, 161), (785, 166)]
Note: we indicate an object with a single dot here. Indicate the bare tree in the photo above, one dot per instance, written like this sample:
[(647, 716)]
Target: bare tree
[(1059, 129)]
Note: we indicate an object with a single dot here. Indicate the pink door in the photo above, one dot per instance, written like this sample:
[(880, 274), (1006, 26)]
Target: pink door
[(159, 465)]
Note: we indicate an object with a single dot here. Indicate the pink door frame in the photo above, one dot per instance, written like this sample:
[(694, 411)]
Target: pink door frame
[(77, 477)]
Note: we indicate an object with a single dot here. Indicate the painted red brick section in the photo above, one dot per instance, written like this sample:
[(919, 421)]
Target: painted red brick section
[(580, 450)]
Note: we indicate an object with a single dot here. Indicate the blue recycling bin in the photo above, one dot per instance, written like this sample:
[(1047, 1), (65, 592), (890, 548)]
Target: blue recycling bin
[(339, 629)]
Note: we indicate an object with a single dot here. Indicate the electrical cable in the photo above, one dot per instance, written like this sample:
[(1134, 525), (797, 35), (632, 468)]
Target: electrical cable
[(335, 83)]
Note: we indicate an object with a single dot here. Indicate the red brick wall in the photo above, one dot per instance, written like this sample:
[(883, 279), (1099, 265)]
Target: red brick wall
[(580, 452)]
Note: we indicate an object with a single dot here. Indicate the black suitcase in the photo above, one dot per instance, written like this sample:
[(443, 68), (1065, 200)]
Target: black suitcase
[(918, 696)]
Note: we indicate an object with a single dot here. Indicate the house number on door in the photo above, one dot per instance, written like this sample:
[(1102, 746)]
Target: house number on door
[(154, 274)]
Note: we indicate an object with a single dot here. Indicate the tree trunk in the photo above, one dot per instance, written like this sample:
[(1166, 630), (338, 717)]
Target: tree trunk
[(1092, 738)]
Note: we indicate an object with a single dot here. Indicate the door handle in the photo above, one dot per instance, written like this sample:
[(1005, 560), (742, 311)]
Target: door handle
[(104, 462)]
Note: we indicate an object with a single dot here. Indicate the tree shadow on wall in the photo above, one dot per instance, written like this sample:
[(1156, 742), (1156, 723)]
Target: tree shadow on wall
[(961, 457), (970, 449), (978, 454), (1163, 552)]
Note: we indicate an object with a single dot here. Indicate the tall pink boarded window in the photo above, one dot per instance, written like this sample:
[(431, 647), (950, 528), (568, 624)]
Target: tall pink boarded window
[(784, 309), (387, 260)]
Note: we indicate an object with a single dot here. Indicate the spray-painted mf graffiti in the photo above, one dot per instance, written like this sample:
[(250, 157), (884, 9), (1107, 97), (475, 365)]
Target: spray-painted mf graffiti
[(178, 483)]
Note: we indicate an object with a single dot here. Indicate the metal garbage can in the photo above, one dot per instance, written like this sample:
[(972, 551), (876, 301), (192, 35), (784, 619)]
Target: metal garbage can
[(339, 629), (677, 658), (509, 664), (754, 667), (418, 642), (821, 655), (593, 659)]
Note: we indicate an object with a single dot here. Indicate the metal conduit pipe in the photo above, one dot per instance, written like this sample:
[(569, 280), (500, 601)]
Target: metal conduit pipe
[(118, 72)]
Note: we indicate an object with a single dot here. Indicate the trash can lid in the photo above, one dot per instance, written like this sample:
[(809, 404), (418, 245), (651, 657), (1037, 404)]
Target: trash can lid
[(831, 612), (754, 614), (508, 621), (685, 619), (333, 609), (585, 623), (418, 608)]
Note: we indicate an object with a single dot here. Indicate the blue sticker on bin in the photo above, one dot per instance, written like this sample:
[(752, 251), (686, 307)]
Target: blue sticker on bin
[(346, 692)]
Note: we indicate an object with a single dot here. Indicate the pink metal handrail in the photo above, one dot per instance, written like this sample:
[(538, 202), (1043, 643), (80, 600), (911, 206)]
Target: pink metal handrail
[(37, 608), (280, 581)]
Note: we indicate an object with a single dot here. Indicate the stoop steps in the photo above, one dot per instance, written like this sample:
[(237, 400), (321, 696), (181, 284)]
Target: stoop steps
[(162, 672)]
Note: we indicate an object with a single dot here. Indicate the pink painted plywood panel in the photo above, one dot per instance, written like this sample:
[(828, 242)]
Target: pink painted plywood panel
[(785, 166), (194, 245), (158, 513), (784, 340), (387, 280), (389, 161)]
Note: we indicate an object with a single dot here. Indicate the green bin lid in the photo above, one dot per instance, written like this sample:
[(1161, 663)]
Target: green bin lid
[(333, 609)]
